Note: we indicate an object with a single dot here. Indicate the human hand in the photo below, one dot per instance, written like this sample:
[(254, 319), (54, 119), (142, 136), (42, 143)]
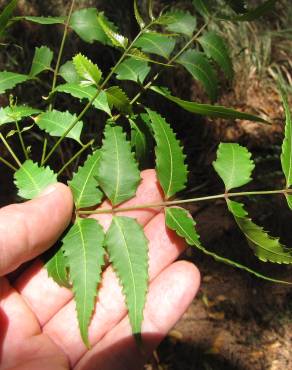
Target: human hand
[(38, 324)]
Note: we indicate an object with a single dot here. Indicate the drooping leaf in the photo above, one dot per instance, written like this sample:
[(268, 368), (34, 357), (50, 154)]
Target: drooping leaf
[(121, 181), (117, 98), (8, 80), (156, 43), (31, 179), (138, 16), (171, 169), (178, 21), (43, 20), (253, 14), (6, 15), (180, 221), (133, 70), (141, 142), (127, 247), (56, 123), (200, 68), (118, 40), (86, 92), (89, 72), (84, 183), (83, 248), (69, 73), (207, 109), (202, 7), (234, 165), (16, 113), (265, 247), (57, 268), (42, 60), (215, 48)]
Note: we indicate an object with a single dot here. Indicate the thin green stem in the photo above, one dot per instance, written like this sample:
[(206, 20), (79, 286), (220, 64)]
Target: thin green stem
[(185, 201), (44, 150), (75, 156), (8, 147), (8, 164), (21, 140)]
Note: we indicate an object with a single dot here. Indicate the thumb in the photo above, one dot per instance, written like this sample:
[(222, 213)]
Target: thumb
[(30, 228)]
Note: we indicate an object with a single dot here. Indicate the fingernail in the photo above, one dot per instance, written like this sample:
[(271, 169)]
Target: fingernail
[(48, 190)]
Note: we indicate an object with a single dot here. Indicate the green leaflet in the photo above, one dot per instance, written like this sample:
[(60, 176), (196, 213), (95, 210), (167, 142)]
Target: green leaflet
[(84, 183), (133, 69), (57, 268), (42, 20), (69, 73), (141, 141), (215, 48), (8, 114), (138, 16), (171, 169), (234, 165), (86, 92), (265, 247), (31, 179), (178, 21), (42, 60), (56, 123), (286, 155), (10, 79), (139, 55), (180, 221), (156, 43), (89, 72), (117, 98), (207, 109), (200, 68), (121, 181), (116, 39), (83, 248), (127, 247), (6, 15)]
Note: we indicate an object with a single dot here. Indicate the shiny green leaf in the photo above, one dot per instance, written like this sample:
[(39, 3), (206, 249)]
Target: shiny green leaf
[(178, 21), (133, 70), (89, 72), (156, 43), (117, 98)]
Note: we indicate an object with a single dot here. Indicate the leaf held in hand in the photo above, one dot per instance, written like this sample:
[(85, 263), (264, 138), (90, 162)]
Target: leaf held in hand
[(58, 269)]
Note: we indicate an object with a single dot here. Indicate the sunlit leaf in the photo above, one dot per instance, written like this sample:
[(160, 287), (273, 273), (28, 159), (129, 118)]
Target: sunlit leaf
[(89, 72), (133, 70), (117, 39), (8, 80), (117, 98), (16, 113), (57, 268), (156, 43), (178, 21), (42, 60)]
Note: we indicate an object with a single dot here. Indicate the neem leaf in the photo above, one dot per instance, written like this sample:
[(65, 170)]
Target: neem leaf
[(234, 165), (84, 183), (117, 98), (207, 109), (56, 123), (156, 43), (31, 179), (127, 247), (6, 14), (178, 21), (286, 155), (69, 73), (215, 48), (117, 39), (265, 247), (180, 221), (86, 92), (89, 72), (138, 16), (118, 173), (141, 141), (58, 269), (16, 113), (42, 20), (83, 248), (10, 79), (171, 169), (133, 69), (200, 68), (42, 60)]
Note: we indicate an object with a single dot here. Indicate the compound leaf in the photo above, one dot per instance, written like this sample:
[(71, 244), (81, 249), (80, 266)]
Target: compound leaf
[(178, 21), (171, 169), (6, 15), (89, 72), (69, 73), (31, 180), (116, 39), (84, 183), (207, 109), (42, 60), (16, 113), (133, 69), (8, 80), (56, 123), (127, 247), (121, 181), (265, 247), (200, 68), (57, 268), (117, 98), (180, 221), (83, 248), (86, 92), (156, 43), (215, 48), (234, 165)]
